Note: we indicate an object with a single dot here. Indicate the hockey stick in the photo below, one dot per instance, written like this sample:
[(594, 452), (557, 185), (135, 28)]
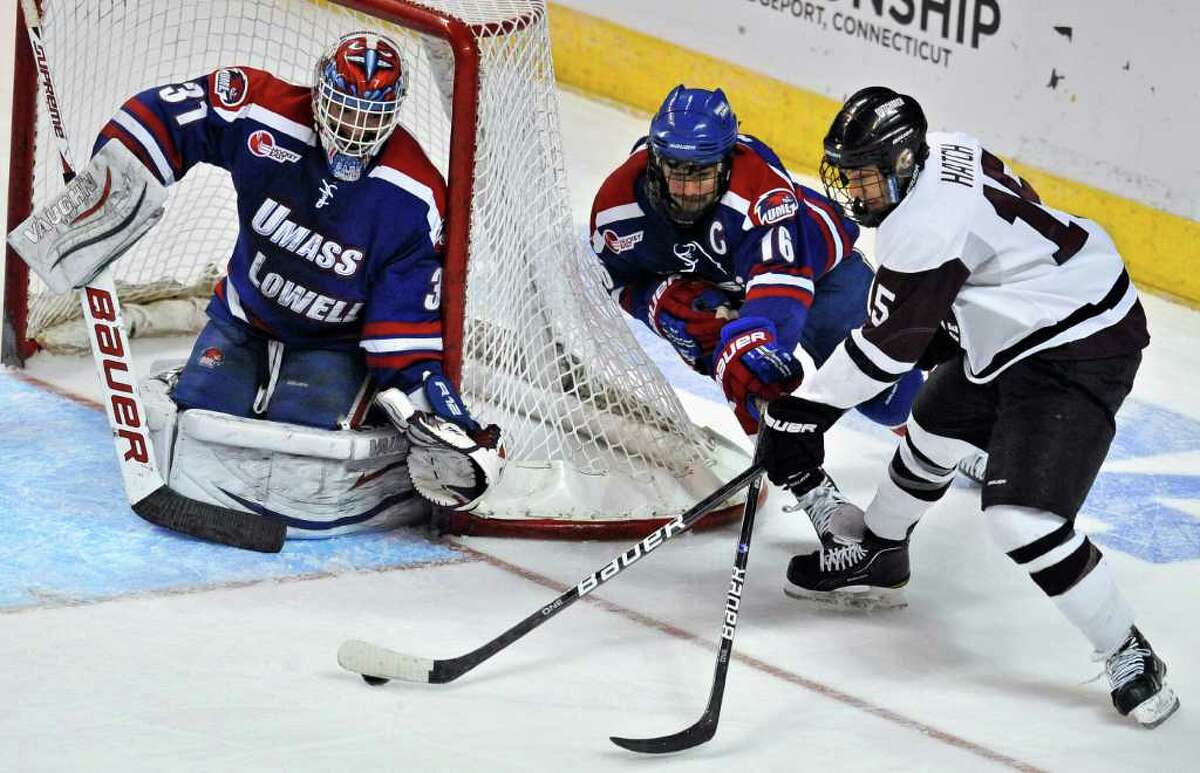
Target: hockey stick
[(145, 489), (378, 664), (705, 727)]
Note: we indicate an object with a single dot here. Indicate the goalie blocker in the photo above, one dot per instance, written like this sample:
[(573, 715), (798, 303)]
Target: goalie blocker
[(104, 210)]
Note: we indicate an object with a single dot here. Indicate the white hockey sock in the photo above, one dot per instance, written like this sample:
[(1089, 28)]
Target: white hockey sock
[(893, 511), (1044, 544), (1098, 609)]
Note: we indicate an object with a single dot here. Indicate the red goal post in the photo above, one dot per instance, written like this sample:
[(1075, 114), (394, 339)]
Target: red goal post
[(599, 443)]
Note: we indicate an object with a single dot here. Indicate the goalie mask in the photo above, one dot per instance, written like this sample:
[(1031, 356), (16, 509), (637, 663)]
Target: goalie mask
[(874, 152), (360, 83), (691, 147)]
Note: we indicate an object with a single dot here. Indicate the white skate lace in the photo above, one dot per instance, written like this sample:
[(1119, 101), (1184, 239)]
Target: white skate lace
[(821, 503), (842, 558), (1126, 665), (974, 466)]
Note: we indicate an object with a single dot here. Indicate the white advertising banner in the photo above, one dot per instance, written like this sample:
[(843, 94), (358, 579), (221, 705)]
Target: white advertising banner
[(1104, 92)]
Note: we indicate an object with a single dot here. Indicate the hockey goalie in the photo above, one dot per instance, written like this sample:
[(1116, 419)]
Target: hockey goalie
[(315, 394)]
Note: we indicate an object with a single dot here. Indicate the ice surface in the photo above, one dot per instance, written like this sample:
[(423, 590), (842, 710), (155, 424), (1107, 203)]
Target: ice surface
[(127, 648)]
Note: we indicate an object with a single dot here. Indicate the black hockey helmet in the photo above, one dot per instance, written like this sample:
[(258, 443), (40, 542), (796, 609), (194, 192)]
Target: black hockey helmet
[(881, 128)]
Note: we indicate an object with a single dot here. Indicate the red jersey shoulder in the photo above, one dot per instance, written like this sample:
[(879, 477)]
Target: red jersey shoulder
[(404, 154), (232, 88), (766, 188), (618, 189)]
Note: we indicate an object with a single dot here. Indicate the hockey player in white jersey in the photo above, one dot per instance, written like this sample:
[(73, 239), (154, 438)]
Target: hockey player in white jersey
[(1038, 332)]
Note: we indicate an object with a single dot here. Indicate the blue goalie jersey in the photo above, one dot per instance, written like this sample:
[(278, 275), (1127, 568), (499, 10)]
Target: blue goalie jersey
[(319, 262)]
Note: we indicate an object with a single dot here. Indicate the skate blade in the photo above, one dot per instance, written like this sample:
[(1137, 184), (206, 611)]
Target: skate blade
[(1156, 709), (858, 597)]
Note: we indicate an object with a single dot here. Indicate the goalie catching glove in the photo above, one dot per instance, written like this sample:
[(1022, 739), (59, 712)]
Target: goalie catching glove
[(104, 210), (452, 460)]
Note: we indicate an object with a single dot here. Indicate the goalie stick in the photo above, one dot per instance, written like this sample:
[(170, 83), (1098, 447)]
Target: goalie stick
[(378, 664), (145, 489), (706, 727)]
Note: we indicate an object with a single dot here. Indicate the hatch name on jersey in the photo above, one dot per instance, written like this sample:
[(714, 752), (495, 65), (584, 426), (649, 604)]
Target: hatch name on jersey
[(271, 220), (686, 254), (958, 165), (297, 298)]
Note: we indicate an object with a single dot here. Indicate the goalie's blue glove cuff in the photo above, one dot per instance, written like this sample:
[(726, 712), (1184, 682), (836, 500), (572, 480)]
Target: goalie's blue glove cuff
[(445, 401)]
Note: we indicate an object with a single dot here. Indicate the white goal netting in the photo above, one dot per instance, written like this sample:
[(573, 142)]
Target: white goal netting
[(593, 431)]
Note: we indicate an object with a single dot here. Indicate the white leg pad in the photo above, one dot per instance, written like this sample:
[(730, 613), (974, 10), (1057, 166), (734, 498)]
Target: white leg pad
[(320, 482)]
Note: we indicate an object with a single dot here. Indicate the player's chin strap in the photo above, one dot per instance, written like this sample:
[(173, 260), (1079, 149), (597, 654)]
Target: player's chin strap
[(448, 465)]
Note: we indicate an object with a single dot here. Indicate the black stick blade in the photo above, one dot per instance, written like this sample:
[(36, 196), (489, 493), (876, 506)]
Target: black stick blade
[(685, 739), (165, 508)]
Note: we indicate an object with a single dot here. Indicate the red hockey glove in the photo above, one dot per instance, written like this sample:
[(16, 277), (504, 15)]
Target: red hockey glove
[(690, 313), (752, 367)]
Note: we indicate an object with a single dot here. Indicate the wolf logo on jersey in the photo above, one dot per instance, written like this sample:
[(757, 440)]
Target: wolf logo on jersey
[(687, 254), (230, 86)]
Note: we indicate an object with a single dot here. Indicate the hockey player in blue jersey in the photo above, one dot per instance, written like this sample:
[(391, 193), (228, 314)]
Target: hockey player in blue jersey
[(331, 302), (753, 279)]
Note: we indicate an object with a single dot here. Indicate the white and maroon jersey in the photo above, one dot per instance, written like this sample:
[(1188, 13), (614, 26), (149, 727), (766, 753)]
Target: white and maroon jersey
[(318, 262), (972, 249)]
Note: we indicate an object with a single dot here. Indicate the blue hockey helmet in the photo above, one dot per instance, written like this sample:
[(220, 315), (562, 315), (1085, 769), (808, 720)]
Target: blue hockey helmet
[(691, 144)]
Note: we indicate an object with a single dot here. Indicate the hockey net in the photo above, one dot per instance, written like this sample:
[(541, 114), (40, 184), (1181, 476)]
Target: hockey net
[(598, 442)]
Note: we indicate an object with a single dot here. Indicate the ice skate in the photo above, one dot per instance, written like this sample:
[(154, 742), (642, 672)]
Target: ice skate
[(870, 574), (836, 519), (1138, 680)]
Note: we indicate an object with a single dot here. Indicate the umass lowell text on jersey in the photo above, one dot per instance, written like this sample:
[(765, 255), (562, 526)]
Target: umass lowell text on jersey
[(318, 262)]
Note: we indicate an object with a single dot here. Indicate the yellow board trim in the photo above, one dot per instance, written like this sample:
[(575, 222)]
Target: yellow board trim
[(607, 60)]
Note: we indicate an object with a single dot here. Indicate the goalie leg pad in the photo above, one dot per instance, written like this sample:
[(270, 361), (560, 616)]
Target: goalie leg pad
[(321, 483)]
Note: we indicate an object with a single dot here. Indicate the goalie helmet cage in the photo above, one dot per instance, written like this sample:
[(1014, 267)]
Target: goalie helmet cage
[(598, 443)]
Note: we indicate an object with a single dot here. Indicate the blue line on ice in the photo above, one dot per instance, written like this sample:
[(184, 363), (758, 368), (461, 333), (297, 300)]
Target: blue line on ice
[(67, 533)]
